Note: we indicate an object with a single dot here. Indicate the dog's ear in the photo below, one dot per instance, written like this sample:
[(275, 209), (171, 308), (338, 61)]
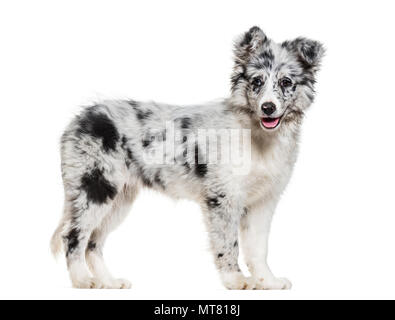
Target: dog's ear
[(309, 52), (249, 42)]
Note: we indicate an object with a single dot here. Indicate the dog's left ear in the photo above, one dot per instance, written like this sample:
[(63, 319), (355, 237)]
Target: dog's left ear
[(309, 52)]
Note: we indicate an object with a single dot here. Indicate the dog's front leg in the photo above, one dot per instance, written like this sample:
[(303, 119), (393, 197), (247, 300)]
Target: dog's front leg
[(255, 228), (223, 227)]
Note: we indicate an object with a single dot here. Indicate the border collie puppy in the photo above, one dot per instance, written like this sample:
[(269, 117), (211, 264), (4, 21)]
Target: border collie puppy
[(107, 150)]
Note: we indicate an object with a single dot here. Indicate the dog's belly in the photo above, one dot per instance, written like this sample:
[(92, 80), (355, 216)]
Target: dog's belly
[(185, 190)]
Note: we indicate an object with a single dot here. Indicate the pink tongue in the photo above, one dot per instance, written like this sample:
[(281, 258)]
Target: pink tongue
[(270, 123)]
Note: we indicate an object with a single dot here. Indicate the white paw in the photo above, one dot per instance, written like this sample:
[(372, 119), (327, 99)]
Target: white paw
[(272, 283), (237, 281), (88, 283), (121, 284), (95, 283)]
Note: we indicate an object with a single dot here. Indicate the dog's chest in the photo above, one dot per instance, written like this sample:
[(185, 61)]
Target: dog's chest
[(271, 168)]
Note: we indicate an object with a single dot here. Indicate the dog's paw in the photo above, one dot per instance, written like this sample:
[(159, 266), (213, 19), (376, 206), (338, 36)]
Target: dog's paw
[(272, 283), (95, 283), (237, 281), (88, 283), (121, 284)]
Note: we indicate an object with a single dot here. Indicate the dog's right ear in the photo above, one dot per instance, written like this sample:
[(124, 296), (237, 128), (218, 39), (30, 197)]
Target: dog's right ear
[(249, 42)]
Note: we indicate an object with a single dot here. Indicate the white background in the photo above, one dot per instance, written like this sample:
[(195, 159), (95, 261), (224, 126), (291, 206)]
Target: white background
[(333, 234)]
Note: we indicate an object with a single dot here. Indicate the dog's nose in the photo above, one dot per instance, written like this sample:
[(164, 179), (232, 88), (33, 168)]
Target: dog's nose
[(268, 108)]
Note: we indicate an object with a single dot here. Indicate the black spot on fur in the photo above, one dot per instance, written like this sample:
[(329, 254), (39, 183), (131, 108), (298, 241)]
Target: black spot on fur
[(309, 52), (146, 142), (268, 55), (235, 244), (129, 154), (304, 82), (247, 38), (147, 182), (151, 137), (285, 44), (140, 114), (187, 166), (305, 65), (133, 104), (238, 77), (100, 126), (235, 80), (200, 168), (130, 158), (158, 180), (258, 64), (268, 59), (145, 179), (72, 240), (220, 255), (185, 123), (98, 189), (213, 203), (267, 64), (91, 245), (143, 115)]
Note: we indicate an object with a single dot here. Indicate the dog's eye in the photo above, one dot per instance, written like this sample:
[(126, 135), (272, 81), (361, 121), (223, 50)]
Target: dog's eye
[(257, 82), (285, 82)]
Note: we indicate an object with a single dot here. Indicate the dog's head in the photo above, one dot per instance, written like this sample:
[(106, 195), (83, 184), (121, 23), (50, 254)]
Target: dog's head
[(274, 82)]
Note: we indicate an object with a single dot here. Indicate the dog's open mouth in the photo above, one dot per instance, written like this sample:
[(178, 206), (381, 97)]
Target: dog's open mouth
[(270, 123)]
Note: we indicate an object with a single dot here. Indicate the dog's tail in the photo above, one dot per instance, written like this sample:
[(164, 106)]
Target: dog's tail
[(56, 240)]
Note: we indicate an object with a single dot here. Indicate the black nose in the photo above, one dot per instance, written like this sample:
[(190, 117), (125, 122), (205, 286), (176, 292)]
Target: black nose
[(268, 108)]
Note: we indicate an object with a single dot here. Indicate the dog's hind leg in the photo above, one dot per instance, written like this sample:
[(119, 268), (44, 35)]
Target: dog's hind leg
[(89, 195), (94, 250), (76, 235)]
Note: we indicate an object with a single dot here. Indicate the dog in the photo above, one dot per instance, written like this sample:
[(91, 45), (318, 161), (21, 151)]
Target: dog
[(103, 167)]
